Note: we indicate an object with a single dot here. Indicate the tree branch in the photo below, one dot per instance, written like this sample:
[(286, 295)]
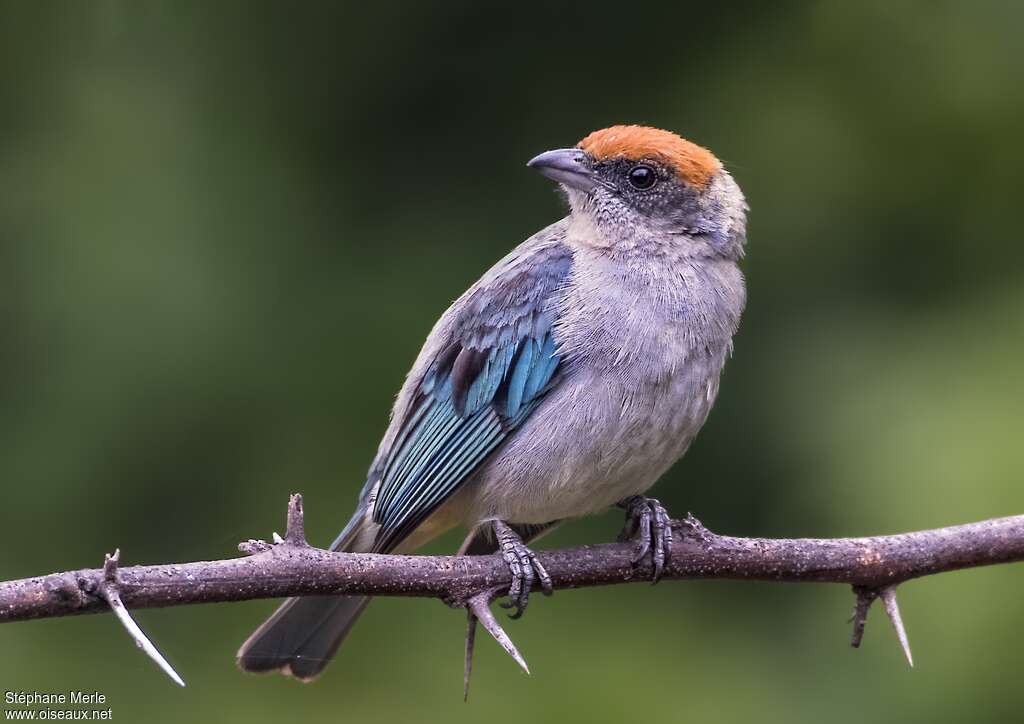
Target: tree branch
[(874, 566)]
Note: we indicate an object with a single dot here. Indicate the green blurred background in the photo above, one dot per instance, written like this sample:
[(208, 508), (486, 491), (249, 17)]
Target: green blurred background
[(226, 228)]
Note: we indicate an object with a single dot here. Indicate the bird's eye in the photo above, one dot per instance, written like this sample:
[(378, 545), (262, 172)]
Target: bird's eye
[(642, 177)]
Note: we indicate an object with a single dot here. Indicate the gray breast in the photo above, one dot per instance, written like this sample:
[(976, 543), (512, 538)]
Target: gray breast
[(643, 359)]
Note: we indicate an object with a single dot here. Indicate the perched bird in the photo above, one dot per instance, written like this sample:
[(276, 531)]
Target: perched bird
[(565, 381)]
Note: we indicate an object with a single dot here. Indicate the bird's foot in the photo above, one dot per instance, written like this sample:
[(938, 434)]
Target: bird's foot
[(524, 566), (649, 522)]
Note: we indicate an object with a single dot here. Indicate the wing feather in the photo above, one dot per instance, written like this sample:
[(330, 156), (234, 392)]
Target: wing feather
[(498, 359)]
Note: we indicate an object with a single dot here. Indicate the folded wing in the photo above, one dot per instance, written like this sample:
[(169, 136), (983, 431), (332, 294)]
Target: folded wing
[(498, 360)]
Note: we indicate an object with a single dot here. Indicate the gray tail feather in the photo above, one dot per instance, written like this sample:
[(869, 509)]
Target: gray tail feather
[(303, 634)]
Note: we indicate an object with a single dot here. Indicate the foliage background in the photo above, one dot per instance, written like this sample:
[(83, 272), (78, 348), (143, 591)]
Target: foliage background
[(225, 229)]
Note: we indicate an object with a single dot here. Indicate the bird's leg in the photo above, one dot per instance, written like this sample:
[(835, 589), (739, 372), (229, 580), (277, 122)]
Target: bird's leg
[(524, 566), (648, 521)]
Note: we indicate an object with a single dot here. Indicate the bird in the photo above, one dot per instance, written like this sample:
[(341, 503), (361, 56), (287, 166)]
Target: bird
[(564, 382)]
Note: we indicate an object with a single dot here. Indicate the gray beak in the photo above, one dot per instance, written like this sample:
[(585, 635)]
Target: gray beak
[(568, 166)]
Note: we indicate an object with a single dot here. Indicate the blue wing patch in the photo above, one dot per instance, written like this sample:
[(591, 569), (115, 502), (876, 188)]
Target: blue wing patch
[(501, 361)]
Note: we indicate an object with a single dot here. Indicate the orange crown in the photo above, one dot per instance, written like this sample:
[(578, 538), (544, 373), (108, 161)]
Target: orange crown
[(692, 163)]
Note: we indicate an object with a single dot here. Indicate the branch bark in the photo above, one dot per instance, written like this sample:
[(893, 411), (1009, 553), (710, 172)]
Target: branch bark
[(874, 566)]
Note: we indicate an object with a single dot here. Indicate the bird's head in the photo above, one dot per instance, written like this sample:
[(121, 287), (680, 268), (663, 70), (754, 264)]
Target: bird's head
[(638, 186)]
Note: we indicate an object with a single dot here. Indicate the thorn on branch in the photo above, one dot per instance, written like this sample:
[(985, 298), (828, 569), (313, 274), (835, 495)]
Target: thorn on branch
[(865, 597), (110, 566), (892, 609), (295, 533), (467, 668), (478, 608), (690, 527), (110, 592)]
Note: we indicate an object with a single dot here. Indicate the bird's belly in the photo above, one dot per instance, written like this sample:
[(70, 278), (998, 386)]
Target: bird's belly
[(600, 437)]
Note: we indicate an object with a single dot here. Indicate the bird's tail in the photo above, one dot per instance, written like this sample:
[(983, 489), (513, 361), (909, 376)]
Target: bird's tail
[(300, 638)]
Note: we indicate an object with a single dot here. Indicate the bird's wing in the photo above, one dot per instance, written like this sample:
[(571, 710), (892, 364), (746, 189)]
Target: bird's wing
[(495, 361)]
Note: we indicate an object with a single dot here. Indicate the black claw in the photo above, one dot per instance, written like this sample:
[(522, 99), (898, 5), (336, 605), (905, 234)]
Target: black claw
[(649, 522), (546, 587), (525, 569)]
